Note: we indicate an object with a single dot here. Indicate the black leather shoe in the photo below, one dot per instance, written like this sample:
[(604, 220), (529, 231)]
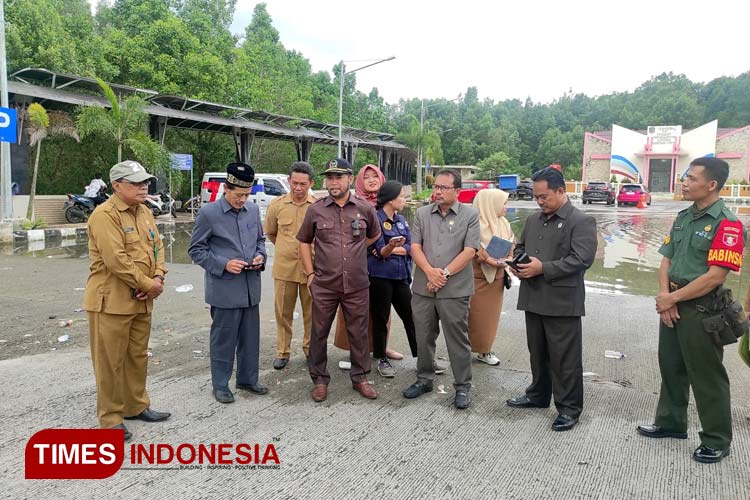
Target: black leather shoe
[(655, 431), (149, 415), (224, 396), (128, 435), (462, 399), (564, 423), (257, 388), (706, 455), (523, 402), (416, 389), (280, 363)]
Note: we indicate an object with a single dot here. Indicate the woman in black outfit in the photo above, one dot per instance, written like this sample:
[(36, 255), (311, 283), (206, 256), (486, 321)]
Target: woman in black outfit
[(389, 263)]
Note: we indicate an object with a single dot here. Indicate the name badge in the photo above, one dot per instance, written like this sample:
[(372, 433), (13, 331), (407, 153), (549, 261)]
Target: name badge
[(128, 229)]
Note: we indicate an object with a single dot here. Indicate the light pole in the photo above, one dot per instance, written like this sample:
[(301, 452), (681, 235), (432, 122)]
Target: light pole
[(421, 138), (342, 74), (6, 208)]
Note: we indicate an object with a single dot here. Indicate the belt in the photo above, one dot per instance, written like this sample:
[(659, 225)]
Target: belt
[(674, 286)]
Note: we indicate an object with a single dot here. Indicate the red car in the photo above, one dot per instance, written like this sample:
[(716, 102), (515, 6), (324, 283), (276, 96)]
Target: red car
[(631, 194), (469, 190)]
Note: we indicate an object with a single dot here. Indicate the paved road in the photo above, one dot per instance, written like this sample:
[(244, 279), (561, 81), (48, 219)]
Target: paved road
[(349, 447)]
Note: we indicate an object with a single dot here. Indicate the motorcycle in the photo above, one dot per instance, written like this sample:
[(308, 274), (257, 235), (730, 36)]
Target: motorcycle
[(161, 204), (79, 208)]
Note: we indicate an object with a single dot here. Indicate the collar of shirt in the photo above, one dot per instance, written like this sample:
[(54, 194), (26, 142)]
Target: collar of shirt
[(382, 216), (329, 200), (563, 212), (714, 210), (121, 205), (454, 208), (226, 207), (287, 198)]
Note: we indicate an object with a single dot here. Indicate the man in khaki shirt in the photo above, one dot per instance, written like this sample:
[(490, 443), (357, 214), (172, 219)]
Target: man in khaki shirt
[(126, 275), (283, 220)]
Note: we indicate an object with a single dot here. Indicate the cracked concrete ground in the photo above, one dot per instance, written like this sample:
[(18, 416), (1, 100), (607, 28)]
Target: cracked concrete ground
[(349, 447)]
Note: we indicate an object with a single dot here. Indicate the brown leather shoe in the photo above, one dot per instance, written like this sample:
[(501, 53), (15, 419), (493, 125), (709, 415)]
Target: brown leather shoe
[(320, 392), (365, 389)]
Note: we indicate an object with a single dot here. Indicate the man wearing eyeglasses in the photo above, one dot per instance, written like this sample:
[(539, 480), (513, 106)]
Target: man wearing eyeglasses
[(126, 275), (228, 242), (445, 237)]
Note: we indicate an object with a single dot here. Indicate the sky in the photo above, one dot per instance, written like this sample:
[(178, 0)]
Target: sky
[(512, 50)]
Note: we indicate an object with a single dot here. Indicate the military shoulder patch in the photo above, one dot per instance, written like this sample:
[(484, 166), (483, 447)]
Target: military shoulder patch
[(727, 245)]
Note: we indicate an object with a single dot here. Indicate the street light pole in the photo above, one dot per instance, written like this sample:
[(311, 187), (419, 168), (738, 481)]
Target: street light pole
[(342, 74), (6, 208), (421, 139), (341, 101)]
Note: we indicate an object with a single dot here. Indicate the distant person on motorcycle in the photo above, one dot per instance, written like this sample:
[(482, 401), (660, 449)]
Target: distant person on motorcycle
[(95, 189)]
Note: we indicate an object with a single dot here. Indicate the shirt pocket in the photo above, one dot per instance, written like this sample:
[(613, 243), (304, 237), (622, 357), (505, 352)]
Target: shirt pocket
[(285, 226), (324, 231), (701, 244)]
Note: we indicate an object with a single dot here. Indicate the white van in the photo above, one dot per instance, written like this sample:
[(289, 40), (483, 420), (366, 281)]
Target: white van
[(266, 187)]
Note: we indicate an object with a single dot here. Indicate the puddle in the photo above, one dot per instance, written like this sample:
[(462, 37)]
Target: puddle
[(627, 257)]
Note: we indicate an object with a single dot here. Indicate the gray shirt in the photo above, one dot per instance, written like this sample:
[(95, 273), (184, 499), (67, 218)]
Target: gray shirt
[(442, 239)]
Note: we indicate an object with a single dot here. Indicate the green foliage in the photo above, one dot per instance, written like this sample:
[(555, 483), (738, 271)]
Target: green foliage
[(186, 47), (425, 194), (28, 225), (124, 124)]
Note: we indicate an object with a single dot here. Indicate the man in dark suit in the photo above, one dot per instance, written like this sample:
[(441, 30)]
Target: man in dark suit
[(560, 242), (228, 242)]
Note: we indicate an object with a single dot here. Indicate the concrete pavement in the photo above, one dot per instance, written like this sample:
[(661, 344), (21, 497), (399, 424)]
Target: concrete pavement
[(350, 447)]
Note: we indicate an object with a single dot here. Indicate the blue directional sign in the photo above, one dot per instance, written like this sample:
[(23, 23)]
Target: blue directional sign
[(182, 162), (8, 125)]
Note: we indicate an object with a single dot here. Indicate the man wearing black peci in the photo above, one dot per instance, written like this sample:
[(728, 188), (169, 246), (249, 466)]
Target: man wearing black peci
[(560, 242)]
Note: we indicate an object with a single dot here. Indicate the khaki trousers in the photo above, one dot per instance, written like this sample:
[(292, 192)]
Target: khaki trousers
[(285, 300), (119, 351)]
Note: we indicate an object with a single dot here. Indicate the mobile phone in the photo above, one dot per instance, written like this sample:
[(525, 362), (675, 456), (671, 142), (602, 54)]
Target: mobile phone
[(521, 258), (399, 238)]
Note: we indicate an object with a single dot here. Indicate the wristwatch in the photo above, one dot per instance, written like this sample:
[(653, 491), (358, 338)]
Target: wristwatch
[(446, 273)]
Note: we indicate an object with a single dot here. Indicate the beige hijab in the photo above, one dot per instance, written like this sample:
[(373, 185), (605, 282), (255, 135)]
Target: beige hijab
[(489, 202)]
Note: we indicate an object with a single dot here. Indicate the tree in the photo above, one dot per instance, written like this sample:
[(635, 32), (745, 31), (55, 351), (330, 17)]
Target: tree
[(124, 123), (427, 140), (41, 124), (501, 163)]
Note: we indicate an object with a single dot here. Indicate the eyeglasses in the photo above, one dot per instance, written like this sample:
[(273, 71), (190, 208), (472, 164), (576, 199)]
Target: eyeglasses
[(438, 187), (147, 182)]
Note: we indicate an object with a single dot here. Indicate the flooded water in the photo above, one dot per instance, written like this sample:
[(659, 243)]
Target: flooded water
[(627, 258)]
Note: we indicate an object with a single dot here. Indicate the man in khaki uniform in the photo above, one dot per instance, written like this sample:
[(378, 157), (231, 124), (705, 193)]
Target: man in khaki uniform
[(126, 275), (283, 220)]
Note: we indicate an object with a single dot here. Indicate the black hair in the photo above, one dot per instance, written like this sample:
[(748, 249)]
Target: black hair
[(714, 169), (453, 172), (302, 167), (554, 178)]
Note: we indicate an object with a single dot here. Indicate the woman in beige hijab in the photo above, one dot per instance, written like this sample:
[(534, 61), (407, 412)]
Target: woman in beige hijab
[(489, 275)]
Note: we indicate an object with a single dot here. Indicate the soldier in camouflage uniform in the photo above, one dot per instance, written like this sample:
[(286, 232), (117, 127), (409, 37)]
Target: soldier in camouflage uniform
[(705, 242)]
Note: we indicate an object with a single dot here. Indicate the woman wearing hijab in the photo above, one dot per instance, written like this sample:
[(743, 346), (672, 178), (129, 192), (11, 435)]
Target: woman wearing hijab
[(490, 274), (366, 186), (389, 264)]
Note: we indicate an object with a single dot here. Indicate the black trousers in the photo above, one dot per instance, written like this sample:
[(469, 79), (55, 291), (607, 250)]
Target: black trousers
[(556, 361), (383, 294)]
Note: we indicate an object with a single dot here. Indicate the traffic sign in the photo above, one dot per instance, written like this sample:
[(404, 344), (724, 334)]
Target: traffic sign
[(182, 162), (8, 125)]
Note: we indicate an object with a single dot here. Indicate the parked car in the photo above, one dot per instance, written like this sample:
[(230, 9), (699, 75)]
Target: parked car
[(266, 187), (598, 191), (631, 194), (469, 190), (525, 190)]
